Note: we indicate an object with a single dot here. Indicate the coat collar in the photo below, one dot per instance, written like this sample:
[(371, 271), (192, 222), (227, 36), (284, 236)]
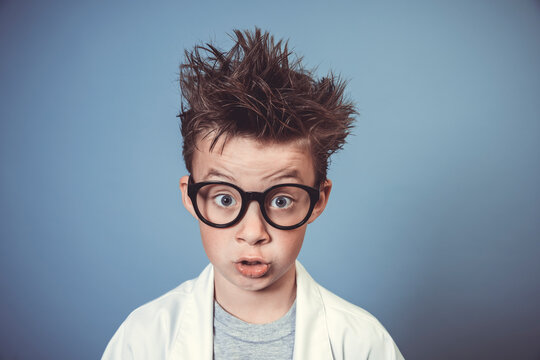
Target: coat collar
[(195, 338), (195, 335), (311, 337)]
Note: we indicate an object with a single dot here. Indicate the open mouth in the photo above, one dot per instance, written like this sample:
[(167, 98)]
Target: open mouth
[(245, 262)]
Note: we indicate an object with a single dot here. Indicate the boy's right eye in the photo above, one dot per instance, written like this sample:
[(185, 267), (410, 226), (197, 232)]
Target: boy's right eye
[(224, 200)]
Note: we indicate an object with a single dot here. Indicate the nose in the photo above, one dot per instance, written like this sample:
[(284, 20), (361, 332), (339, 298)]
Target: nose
[(253, 228)]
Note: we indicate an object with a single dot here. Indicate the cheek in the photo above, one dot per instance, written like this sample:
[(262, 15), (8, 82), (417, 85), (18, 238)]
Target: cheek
[(212, 241), (291, 243)]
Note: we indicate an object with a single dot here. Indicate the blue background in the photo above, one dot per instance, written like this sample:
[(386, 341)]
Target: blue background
[(433, 224)]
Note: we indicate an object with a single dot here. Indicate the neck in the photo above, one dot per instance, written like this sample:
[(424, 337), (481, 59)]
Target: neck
[(261, 306)]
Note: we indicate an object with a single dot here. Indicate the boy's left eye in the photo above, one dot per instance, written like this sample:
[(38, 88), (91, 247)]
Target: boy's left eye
[(281, 202)]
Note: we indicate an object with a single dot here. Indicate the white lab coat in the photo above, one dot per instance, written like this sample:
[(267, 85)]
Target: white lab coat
[(179, 325)]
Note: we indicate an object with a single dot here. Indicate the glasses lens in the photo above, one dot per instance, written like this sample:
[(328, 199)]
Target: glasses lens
[(287, 205), (219, 204)]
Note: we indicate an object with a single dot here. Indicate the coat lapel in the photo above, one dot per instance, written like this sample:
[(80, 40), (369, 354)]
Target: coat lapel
[(311, 338), (195, 336)]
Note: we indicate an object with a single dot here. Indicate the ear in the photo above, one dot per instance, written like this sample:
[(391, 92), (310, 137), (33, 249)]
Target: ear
[(324, 194), (185, 198)]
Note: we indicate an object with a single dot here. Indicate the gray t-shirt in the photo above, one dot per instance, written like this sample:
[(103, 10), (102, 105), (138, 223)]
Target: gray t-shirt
[(235, 339)]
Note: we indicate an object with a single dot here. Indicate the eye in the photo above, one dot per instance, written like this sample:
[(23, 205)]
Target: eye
[(281, 202), (224, 200)]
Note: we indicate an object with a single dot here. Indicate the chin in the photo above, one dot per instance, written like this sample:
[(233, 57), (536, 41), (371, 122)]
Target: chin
[(254, 284)]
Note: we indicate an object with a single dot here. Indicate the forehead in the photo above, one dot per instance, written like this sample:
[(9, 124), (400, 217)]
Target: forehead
[(248, 162)]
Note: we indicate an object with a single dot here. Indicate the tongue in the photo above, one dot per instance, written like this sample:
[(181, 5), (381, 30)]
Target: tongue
[(253, 270)]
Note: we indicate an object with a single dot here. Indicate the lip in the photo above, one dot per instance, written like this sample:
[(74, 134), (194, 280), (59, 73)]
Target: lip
[(251, 259), (252, 266)]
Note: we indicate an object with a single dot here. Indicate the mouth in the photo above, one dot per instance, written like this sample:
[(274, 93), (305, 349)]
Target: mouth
[(252, 268), (253, 262)]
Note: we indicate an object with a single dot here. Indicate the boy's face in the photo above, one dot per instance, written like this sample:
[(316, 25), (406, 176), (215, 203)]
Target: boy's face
[(253, 166)]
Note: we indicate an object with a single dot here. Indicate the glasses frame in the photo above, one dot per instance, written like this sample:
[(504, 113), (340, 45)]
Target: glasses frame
[(247, 198)]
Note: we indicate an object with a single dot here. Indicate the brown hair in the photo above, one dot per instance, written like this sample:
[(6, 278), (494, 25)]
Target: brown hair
[(255, 89)]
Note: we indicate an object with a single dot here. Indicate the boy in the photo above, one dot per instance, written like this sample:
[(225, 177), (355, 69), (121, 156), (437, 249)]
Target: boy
[(258, 131)]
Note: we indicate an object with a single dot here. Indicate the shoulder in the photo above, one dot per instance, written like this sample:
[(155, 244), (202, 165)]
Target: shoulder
[(150, 330), (351, 316), (163, 310), (353, 330)]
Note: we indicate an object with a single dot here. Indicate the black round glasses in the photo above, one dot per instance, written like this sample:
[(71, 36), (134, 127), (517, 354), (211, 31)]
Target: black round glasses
[(221, 204)]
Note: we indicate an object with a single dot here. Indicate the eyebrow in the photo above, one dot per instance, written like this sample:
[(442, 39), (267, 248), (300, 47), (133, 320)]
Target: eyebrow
[(283, 174), (214, 173), (274, 177)]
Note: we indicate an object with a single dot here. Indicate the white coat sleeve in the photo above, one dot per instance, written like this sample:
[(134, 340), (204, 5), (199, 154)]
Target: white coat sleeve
[(118, 348)]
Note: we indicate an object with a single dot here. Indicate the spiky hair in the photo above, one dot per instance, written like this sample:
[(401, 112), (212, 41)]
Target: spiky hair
[(259, 89)]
